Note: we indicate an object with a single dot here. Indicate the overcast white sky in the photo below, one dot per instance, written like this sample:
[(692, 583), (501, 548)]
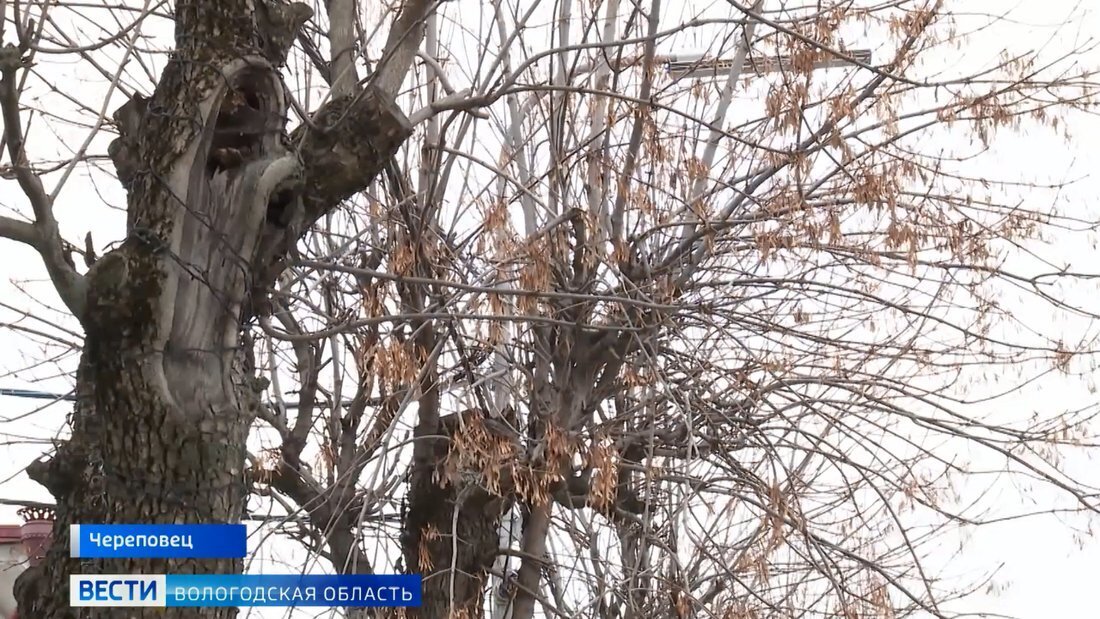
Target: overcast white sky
[(1045, 567)]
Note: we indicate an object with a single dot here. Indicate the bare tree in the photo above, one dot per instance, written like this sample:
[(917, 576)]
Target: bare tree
[(532, 306)]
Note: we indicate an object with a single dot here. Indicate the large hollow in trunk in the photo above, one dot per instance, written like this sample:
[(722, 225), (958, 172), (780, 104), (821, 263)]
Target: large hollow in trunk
[(165, 395)]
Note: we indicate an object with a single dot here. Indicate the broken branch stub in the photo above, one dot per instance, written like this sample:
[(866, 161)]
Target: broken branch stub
[(355, 136), (343, 148), (278, 24), (123, 150)]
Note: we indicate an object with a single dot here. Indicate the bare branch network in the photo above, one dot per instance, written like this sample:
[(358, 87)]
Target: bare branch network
[(578, 309)]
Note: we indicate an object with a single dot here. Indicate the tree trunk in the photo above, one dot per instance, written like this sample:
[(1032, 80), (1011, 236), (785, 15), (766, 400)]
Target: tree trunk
[(135, 459), (160, 428), (451, 531)]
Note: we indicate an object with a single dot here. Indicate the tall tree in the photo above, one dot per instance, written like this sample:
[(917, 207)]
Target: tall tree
[(613, 333)]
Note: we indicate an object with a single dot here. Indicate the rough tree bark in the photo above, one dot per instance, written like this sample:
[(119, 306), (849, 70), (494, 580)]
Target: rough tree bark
[(217, 194), (450, 533)]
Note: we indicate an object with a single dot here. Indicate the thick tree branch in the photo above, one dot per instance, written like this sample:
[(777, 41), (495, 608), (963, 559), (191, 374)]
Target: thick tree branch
[(343, 147), (70, 285), (404, 39), (279, 24), (341, 39), (20, 231)]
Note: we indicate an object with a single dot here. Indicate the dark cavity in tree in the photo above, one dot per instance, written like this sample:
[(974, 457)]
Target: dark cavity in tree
[(243, 119), (280, 207)]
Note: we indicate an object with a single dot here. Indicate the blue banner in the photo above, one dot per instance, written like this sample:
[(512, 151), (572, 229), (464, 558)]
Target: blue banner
[(158, 541), (158, 590)]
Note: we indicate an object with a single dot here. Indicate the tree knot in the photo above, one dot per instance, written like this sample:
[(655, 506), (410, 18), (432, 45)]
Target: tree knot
[(11, 60)]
